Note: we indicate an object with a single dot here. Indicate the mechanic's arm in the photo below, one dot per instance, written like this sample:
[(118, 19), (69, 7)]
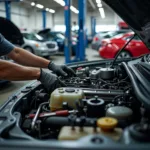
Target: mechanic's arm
[(23, 57), (11, 71), (26, 58), (14, 72)]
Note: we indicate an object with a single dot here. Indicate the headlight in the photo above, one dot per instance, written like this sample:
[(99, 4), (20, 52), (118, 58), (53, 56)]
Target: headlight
[(40, 45), (37, 45)]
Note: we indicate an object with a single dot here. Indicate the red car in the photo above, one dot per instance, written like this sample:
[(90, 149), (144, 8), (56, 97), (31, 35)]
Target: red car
[(110, 48)]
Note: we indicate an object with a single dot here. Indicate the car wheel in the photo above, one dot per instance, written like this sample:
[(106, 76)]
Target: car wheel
[(124, 54), (98, 47), (29, 49)]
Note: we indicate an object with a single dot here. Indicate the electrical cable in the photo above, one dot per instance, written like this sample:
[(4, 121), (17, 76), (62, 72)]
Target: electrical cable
[(122, 50)]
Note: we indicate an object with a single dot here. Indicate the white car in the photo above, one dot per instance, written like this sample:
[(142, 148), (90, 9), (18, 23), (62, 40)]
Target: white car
[(37, 45)]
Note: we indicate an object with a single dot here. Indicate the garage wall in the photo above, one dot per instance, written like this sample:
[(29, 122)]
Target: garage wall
[(30, 18), (26, 18), (111, 18), (19, 15), (2, 12), (36, 21)]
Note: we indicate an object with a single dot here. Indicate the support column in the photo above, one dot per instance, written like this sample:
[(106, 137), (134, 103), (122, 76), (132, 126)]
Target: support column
[(44, 18), (82, 33), (93, 26), (53, 21), (8, 9), (68, 29)]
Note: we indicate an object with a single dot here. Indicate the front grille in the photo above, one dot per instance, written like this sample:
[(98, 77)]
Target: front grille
[(51, 45)]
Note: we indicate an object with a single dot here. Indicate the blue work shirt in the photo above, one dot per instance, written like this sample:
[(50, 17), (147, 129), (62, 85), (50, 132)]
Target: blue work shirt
[(5, 46)]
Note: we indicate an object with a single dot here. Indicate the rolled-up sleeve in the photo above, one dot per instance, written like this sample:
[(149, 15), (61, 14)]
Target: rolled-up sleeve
[(5, 46)]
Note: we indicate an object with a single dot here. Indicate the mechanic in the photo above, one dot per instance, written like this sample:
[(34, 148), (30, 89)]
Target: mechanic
[(30, 68)]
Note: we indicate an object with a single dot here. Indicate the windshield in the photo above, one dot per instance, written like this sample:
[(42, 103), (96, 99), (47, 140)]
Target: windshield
[(61, 36), (32, 36), (118, 36), (109, 34), (114, 33), (136, 38)]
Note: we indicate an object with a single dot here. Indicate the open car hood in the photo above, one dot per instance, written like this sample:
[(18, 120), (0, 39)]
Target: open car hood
[(10, 31), (136, 14), (45, 31)]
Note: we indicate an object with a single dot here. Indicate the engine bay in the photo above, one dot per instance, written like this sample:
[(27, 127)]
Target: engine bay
[(99, 104)]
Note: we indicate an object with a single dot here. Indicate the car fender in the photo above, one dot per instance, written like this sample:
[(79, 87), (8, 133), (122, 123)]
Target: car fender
[(109, 50), (114, 49), (27, 45)]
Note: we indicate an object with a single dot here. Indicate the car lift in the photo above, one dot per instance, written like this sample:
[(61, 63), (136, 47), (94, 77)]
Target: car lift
[(80, 50), (8, 9), (44, 13), (93, 26)]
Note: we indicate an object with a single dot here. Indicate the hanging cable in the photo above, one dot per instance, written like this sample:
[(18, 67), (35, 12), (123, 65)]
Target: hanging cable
[(122, 49)]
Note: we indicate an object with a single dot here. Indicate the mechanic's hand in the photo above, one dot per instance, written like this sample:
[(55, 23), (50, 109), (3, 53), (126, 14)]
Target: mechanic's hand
[(50, 81), (61, 70)]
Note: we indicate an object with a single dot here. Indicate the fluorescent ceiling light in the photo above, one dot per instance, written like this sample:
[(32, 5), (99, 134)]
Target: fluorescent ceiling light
[(98, 1), (102, 13), (32, 4), (99, 5), (74, 10), (51, 11), (61, 2), (47, 9), (39, 6)]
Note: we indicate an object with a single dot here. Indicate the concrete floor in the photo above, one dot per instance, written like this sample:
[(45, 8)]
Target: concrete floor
[(12, 87)]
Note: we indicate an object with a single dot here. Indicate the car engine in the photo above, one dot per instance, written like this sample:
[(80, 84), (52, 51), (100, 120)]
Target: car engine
[(100, 103)]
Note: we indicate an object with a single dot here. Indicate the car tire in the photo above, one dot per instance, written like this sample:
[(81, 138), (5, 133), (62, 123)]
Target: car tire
[(29, 49), (124, 54), (98, 47), (47, 57)]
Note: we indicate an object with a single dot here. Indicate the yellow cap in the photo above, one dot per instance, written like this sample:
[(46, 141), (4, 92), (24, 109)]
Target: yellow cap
[(107, 123)]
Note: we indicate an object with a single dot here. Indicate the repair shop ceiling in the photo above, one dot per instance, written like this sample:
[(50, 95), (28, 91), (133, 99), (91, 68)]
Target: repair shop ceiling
[(91, 4)]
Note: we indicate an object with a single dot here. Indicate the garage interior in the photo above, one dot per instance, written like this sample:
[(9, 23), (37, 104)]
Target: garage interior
[(33, 16), (74, 75)]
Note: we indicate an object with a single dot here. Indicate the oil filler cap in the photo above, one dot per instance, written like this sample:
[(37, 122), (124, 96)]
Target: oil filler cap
[(119, 112), (107, 123)]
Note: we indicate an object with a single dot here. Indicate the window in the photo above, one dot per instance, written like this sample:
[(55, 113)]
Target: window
[(135, 38), (32, 36)]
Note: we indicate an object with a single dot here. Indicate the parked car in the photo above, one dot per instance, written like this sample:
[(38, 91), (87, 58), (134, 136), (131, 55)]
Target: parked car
[(123, 25), (96, 43), (59, 38), (110, 48), (37, 45), (30, 41)]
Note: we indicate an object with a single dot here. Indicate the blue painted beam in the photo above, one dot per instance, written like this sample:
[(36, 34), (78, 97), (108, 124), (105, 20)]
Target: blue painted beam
[(82, 31), (67, 14), (93, 26), (8, 9), (44, 13)]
